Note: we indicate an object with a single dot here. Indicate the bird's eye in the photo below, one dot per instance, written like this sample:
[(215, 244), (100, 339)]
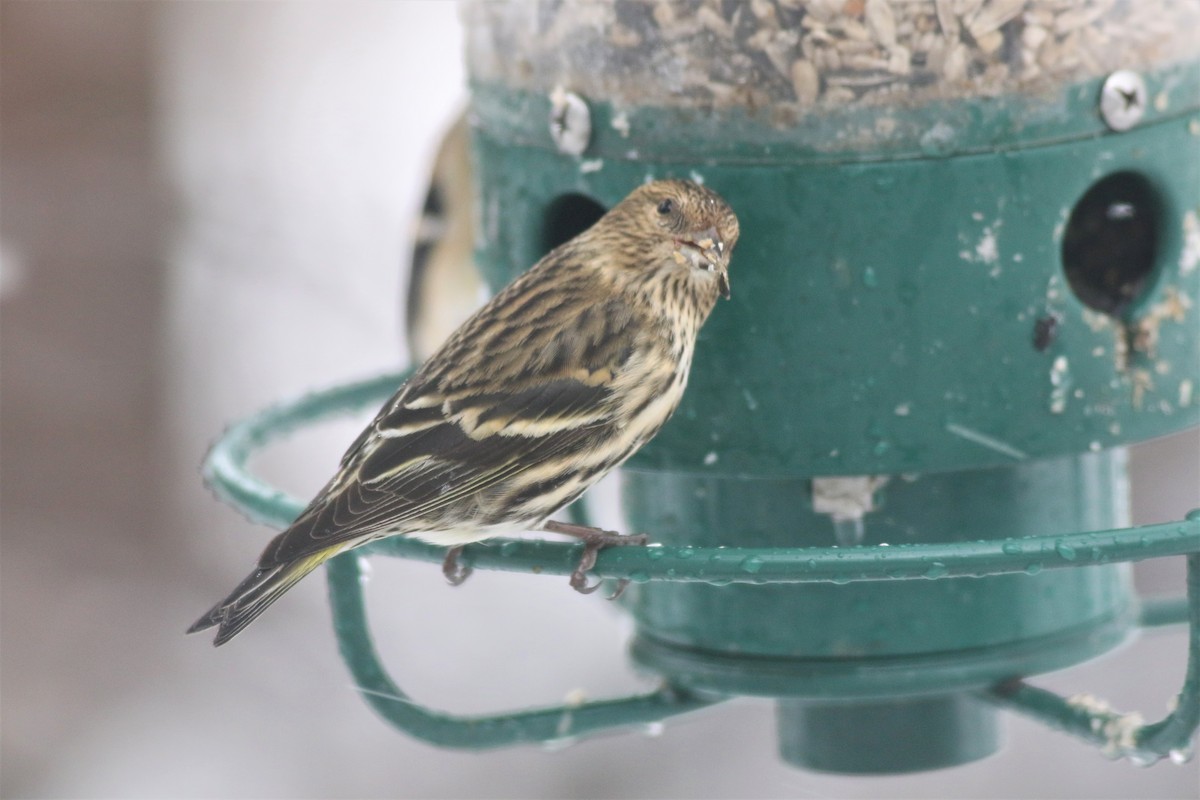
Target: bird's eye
[(666, 206)]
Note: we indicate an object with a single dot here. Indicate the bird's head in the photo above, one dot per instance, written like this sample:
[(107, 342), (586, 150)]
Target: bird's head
[(678, 225)]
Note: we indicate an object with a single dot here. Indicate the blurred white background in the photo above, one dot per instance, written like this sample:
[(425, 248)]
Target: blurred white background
[(206, 207)]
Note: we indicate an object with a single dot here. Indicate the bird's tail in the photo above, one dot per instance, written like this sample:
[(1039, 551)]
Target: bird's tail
[(255, 594)]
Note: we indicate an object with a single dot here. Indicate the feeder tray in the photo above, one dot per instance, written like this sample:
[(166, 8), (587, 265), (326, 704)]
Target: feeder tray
[(1089, 719)]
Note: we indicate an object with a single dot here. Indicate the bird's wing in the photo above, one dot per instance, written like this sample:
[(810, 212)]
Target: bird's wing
[(434, 445)]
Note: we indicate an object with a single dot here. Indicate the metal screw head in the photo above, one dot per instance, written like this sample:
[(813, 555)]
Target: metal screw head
[(1123, 100), (570, 122)]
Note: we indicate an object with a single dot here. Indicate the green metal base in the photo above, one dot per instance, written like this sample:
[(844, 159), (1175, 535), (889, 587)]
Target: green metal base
[(857, 678), (887, 737), (871, 640)]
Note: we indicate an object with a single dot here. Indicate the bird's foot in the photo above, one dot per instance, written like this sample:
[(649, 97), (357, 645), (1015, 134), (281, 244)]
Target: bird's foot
[(455, 572), (594, 540)]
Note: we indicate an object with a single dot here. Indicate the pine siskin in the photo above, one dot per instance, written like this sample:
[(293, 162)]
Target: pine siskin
[(557, 380)]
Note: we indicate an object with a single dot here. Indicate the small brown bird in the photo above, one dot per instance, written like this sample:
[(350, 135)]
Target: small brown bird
[(557, 380)]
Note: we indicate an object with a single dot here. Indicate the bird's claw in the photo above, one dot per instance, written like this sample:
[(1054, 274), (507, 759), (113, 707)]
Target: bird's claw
[(595, 540), (579, 580), (455, 572), (579, 583)]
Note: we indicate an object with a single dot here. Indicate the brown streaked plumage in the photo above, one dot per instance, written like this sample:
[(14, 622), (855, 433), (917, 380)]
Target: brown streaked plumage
[(557, 380)]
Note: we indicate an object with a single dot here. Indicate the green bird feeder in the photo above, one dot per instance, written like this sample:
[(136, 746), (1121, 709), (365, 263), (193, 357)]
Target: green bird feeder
[(967, 280)]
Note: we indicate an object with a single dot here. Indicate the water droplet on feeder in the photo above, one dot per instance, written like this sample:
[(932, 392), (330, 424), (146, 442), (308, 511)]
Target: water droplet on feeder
[(1034, 568), (554, 745), (639, 576), (752, 565), (654, 553), (1065, 550), (685, 552), (510, 548), (1180, 755), (653, 729), (1012, 548), (937, 570)]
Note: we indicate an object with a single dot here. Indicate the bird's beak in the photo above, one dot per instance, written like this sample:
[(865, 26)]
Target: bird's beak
[(711, 254), (717, 257), (709, 243)]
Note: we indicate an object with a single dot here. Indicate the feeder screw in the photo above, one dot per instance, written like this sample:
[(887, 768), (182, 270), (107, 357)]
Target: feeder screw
[(1123, 99), (570, 122)]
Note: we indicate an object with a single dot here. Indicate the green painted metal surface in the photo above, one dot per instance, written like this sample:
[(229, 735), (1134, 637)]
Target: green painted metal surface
[(883, 312), (1124, 735), (876, 640), (921, 304), (895, 736), (924, 305), (553, 724)]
